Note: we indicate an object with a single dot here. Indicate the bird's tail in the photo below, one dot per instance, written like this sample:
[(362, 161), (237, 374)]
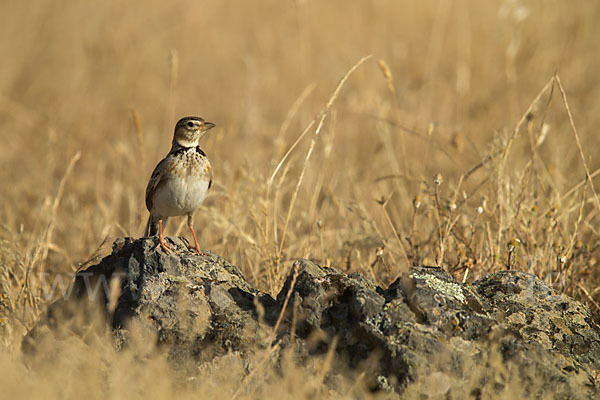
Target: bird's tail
[(152, 225)]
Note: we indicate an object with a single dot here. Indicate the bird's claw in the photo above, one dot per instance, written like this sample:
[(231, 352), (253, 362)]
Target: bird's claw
[(163, 245), (196, 250)]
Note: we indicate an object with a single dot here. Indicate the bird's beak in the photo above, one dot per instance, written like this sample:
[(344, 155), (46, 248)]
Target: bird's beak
[(208, 125)]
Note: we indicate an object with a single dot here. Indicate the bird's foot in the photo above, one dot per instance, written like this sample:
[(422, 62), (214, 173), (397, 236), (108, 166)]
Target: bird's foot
[(163, 245), (195, 248)]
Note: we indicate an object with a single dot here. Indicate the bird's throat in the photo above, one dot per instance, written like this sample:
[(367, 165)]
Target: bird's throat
[(181, 142)]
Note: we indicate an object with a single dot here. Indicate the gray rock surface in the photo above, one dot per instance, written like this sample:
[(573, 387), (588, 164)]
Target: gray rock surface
[(425, 336)]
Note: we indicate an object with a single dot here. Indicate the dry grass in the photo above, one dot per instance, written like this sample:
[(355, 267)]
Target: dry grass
[(467, 140)]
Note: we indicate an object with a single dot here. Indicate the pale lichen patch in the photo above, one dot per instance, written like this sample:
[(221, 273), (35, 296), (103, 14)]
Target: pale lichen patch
[(449, 289)]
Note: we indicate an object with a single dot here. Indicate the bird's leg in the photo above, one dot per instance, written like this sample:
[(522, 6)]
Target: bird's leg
[(190, 221), (161, 239)]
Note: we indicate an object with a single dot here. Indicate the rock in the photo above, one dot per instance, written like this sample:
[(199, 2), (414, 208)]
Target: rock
[(199, 306), (424, 336)]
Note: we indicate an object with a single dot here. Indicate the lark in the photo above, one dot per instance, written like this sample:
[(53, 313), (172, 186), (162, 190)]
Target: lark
[(180, 182)]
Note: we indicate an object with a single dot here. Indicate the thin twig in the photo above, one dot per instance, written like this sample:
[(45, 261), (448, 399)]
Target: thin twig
[(285, 304), (389, 220), (273, 347)]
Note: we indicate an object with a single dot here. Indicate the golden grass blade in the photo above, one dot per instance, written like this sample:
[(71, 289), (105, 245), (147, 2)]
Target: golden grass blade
[(42, 251), (310, 151), (504, 151), (572, 122)]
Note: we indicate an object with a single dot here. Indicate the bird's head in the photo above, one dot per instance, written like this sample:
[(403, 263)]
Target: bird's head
[(189, 130)]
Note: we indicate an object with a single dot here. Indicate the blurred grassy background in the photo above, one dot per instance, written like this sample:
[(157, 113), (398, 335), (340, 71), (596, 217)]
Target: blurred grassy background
[(108, 80)]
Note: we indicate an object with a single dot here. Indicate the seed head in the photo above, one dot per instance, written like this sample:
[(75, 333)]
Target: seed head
[(417, 202)]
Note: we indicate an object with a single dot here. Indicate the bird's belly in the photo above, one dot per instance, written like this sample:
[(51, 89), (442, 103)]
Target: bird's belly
[(180, 197)]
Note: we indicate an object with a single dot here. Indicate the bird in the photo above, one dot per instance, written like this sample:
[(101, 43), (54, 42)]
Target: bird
[(180, 181)]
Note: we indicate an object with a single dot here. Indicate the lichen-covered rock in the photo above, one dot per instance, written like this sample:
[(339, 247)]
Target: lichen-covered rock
[(431, 332), (541, 315), (198, 306), (425, 336)]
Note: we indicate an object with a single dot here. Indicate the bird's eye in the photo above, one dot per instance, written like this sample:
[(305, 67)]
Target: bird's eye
[(190, 124)]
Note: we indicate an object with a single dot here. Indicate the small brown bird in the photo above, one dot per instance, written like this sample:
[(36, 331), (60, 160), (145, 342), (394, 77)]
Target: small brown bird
[(180, 181)]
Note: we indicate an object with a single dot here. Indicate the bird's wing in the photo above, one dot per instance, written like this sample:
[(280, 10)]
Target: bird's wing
[(155, 181)]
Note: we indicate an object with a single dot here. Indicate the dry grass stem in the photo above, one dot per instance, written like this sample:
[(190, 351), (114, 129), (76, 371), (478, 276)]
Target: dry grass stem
[(579, 148), (322, 117)]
